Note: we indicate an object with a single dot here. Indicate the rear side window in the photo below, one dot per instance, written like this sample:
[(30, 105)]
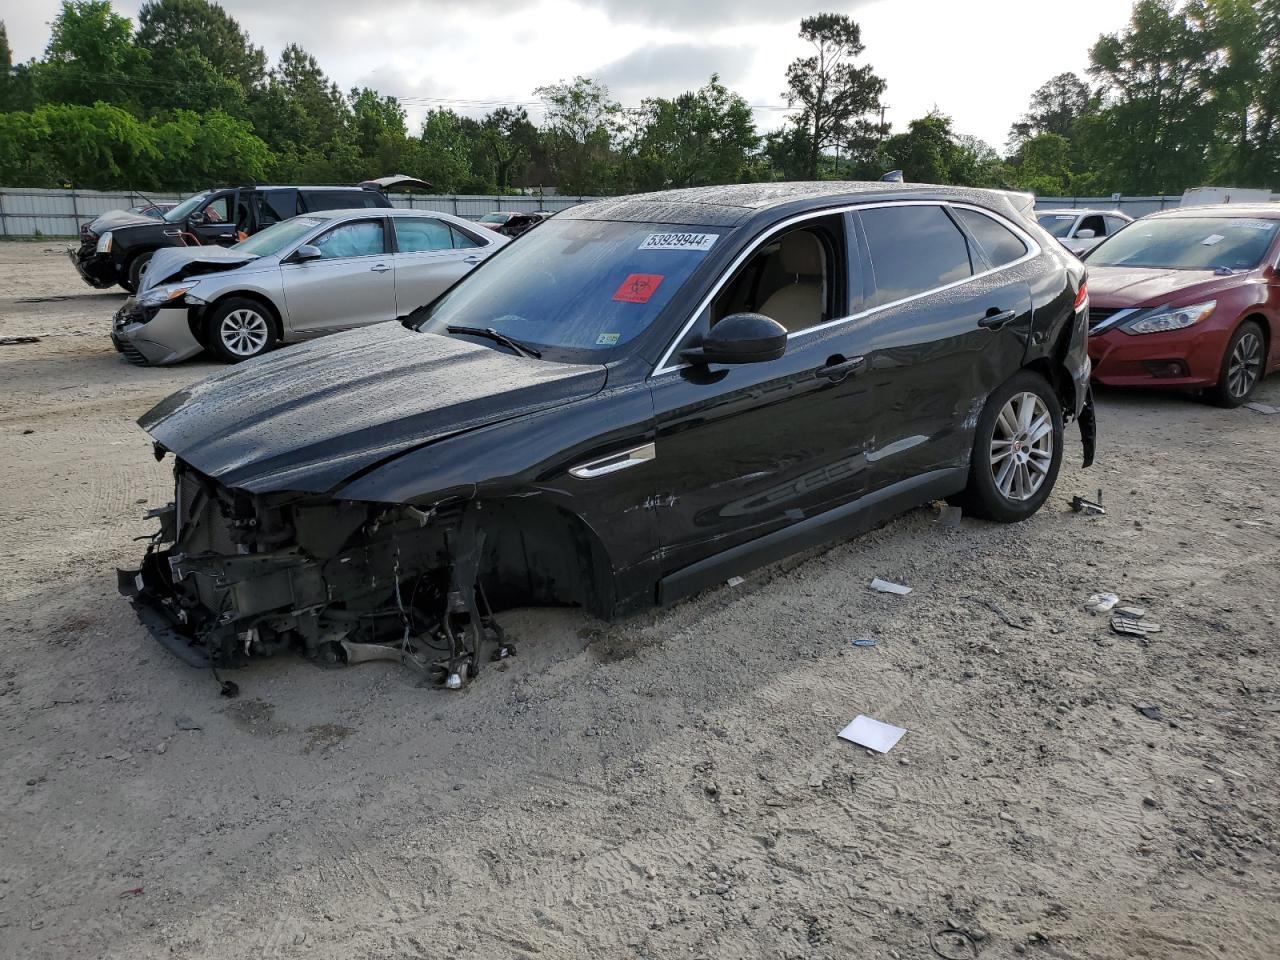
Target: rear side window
[(998, 242), (342, 199), (463, 240), (276, 205), (422, 235), (913, 249), (1114, 224), (363, 238)]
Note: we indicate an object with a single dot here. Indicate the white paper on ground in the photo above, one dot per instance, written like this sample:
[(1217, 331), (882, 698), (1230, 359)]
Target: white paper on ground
[(884, 586), (873, 734)]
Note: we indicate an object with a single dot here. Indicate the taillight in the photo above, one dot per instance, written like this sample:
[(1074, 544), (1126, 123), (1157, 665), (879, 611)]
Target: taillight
[(1082, 298)]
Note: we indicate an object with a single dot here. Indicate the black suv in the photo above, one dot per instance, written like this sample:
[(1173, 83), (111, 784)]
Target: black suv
[(116, 247), (643, 397)]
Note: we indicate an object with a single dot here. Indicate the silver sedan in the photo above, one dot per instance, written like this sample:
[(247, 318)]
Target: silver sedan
[(300, 278)]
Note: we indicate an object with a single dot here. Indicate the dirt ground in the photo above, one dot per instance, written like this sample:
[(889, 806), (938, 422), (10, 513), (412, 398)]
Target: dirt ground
[(668, 786)]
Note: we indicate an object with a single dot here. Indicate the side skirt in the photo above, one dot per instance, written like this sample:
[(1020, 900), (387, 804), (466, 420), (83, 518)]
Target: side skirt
[(848, 520)]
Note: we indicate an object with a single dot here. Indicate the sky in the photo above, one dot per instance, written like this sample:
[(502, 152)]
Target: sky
[(977, 61)]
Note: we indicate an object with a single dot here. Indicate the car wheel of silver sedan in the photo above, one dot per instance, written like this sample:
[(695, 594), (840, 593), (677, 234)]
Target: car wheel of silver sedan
[(239, 329)]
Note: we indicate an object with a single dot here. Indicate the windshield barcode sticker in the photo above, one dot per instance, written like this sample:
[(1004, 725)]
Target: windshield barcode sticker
[(679, 241)]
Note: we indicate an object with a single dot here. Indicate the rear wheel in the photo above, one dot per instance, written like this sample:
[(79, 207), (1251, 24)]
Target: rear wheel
[(239, 329), (1242, 366), (1017, 451)]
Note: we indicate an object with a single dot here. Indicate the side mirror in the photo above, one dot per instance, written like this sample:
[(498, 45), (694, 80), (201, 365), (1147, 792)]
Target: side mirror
[(1085, 234), (740, 338), (306, 252)]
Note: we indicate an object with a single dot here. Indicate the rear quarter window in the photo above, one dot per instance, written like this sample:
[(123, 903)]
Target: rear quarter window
[(1000, 244), (342, 199)]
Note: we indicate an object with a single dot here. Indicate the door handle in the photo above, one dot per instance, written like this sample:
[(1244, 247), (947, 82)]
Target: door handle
[(474, 258), (380, 268), (995, 319), (837, 368)]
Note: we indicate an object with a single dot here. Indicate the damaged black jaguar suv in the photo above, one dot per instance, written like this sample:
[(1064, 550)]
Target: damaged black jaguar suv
[(645, 396)]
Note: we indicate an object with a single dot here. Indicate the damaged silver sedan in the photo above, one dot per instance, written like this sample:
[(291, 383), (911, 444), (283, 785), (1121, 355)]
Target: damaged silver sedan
[(642, 398)]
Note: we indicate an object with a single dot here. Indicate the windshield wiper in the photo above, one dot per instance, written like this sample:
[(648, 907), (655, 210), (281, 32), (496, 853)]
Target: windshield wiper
[(492, 334)]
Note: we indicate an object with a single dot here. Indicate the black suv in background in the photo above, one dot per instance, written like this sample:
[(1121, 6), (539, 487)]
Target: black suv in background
[(116, 247)]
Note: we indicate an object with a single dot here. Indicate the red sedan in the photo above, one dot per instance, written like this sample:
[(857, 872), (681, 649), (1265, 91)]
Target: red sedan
[(1188, 298)]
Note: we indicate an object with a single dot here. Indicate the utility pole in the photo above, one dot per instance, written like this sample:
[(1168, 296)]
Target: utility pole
[(883, 108)]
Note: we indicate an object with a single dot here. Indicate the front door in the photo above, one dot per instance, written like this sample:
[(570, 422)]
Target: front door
[(742, 451), (215, 222), (351, 284), (431, 256)]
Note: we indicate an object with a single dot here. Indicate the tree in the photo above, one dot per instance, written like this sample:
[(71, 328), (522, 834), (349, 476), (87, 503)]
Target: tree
[(1055, 107), (201, 59), (581, 128), (1045, 165), (90, 57), (509, 139), (923, 152), (835, 96), (703, 137), (443, 152)]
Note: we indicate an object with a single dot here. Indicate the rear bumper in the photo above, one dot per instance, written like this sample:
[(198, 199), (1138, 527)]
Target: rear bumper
[(98, 270), (153, 337), (1148, 360)]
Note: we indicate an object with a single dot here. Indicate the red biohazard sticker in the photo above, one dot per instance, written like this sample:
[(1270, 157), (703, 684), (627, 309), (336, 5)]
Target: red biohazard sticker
[(638, 288)]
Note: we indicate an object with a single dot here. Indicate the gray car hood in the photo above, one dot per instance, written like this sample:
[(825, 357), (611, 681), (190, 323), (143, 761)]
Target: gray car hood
[(307, 418), (170, 264)]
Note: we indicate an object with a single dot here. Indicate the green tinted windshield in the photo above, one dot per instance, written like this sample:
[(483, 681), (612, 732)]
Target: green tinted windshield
[(187, 207), (277, 237), (577, 285), (1188, 243)]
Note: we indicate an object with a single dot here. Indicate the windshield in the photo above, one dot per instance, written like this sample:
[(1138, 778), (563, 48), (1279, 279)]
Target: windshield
[(494, 218), (277, 237), (575, 284), (1058, 224), (1188, 243), (187, 207)]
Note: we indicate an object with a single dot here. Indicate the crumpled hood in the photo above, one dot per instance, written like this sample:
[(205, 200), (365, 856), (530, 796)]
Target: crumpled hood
[(308, 417), (1144, 286), (176, 263), (116, 219)]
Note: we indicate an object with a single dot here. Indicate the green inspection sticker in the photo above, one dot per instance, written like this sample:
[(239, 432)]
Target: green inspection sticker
[(607, 339)]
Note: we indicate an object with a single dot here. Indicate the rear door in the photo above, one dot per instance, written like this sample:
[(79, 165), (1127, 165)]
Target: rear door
[(431, 255), (350, 285), (947, 326)]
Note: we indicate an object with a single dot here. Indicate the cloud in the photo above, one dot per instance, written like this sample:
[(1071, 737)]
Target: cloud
[(688, 13), (672, 68)]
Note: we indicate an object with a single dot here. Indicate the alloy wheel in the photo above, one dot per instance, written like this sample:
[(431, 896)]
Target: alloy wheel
[(1022, 446), (1245, 365), (244, 332)]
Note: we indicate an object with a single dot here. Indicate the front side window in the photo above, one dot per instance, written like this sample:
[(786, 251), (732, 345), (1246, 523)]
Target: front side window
[(186, 208), (1188, 243), (363, 238), (577, 287), (914, 249), (218, 210), (1000, 244), (789, 279), (418, 235), (1093, 222)]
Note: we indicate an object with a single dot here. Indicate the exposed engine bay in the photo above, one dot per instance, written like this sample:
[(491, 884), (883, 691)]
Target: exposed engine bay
[(239, 575)]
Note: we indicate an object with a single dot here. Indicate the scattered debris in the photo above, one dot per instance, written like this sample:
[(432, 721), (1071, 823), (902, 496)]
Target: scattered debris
[(17, 341), (1133, 626), (1101, 602), (1262, 407), (1090, 508), (735, 581), (132, 892), (1150, 712), (950, 517), (953, 944), (864, 642), (884, 586), (873, 734), (1000, 612), (1133, 613), (186, 723)]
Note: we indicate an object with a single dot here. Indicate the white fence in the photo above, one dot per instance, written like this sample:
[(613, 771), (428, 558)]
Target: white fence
[(35, 212)]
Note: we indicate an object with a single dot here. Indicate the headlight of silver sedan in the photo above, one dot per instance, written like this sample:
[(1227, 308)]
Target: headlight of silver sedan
[(159, 296)]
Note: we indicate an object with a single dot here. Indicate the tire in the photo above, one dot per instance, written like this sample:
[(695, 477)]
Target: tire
[(1009, 477), (136, 266), (1242, 365), (239, 329)]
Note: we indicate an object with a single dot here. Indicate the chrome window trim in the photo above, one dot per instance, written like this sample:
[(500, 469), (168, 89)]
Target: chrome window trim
[(1033, 250)]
